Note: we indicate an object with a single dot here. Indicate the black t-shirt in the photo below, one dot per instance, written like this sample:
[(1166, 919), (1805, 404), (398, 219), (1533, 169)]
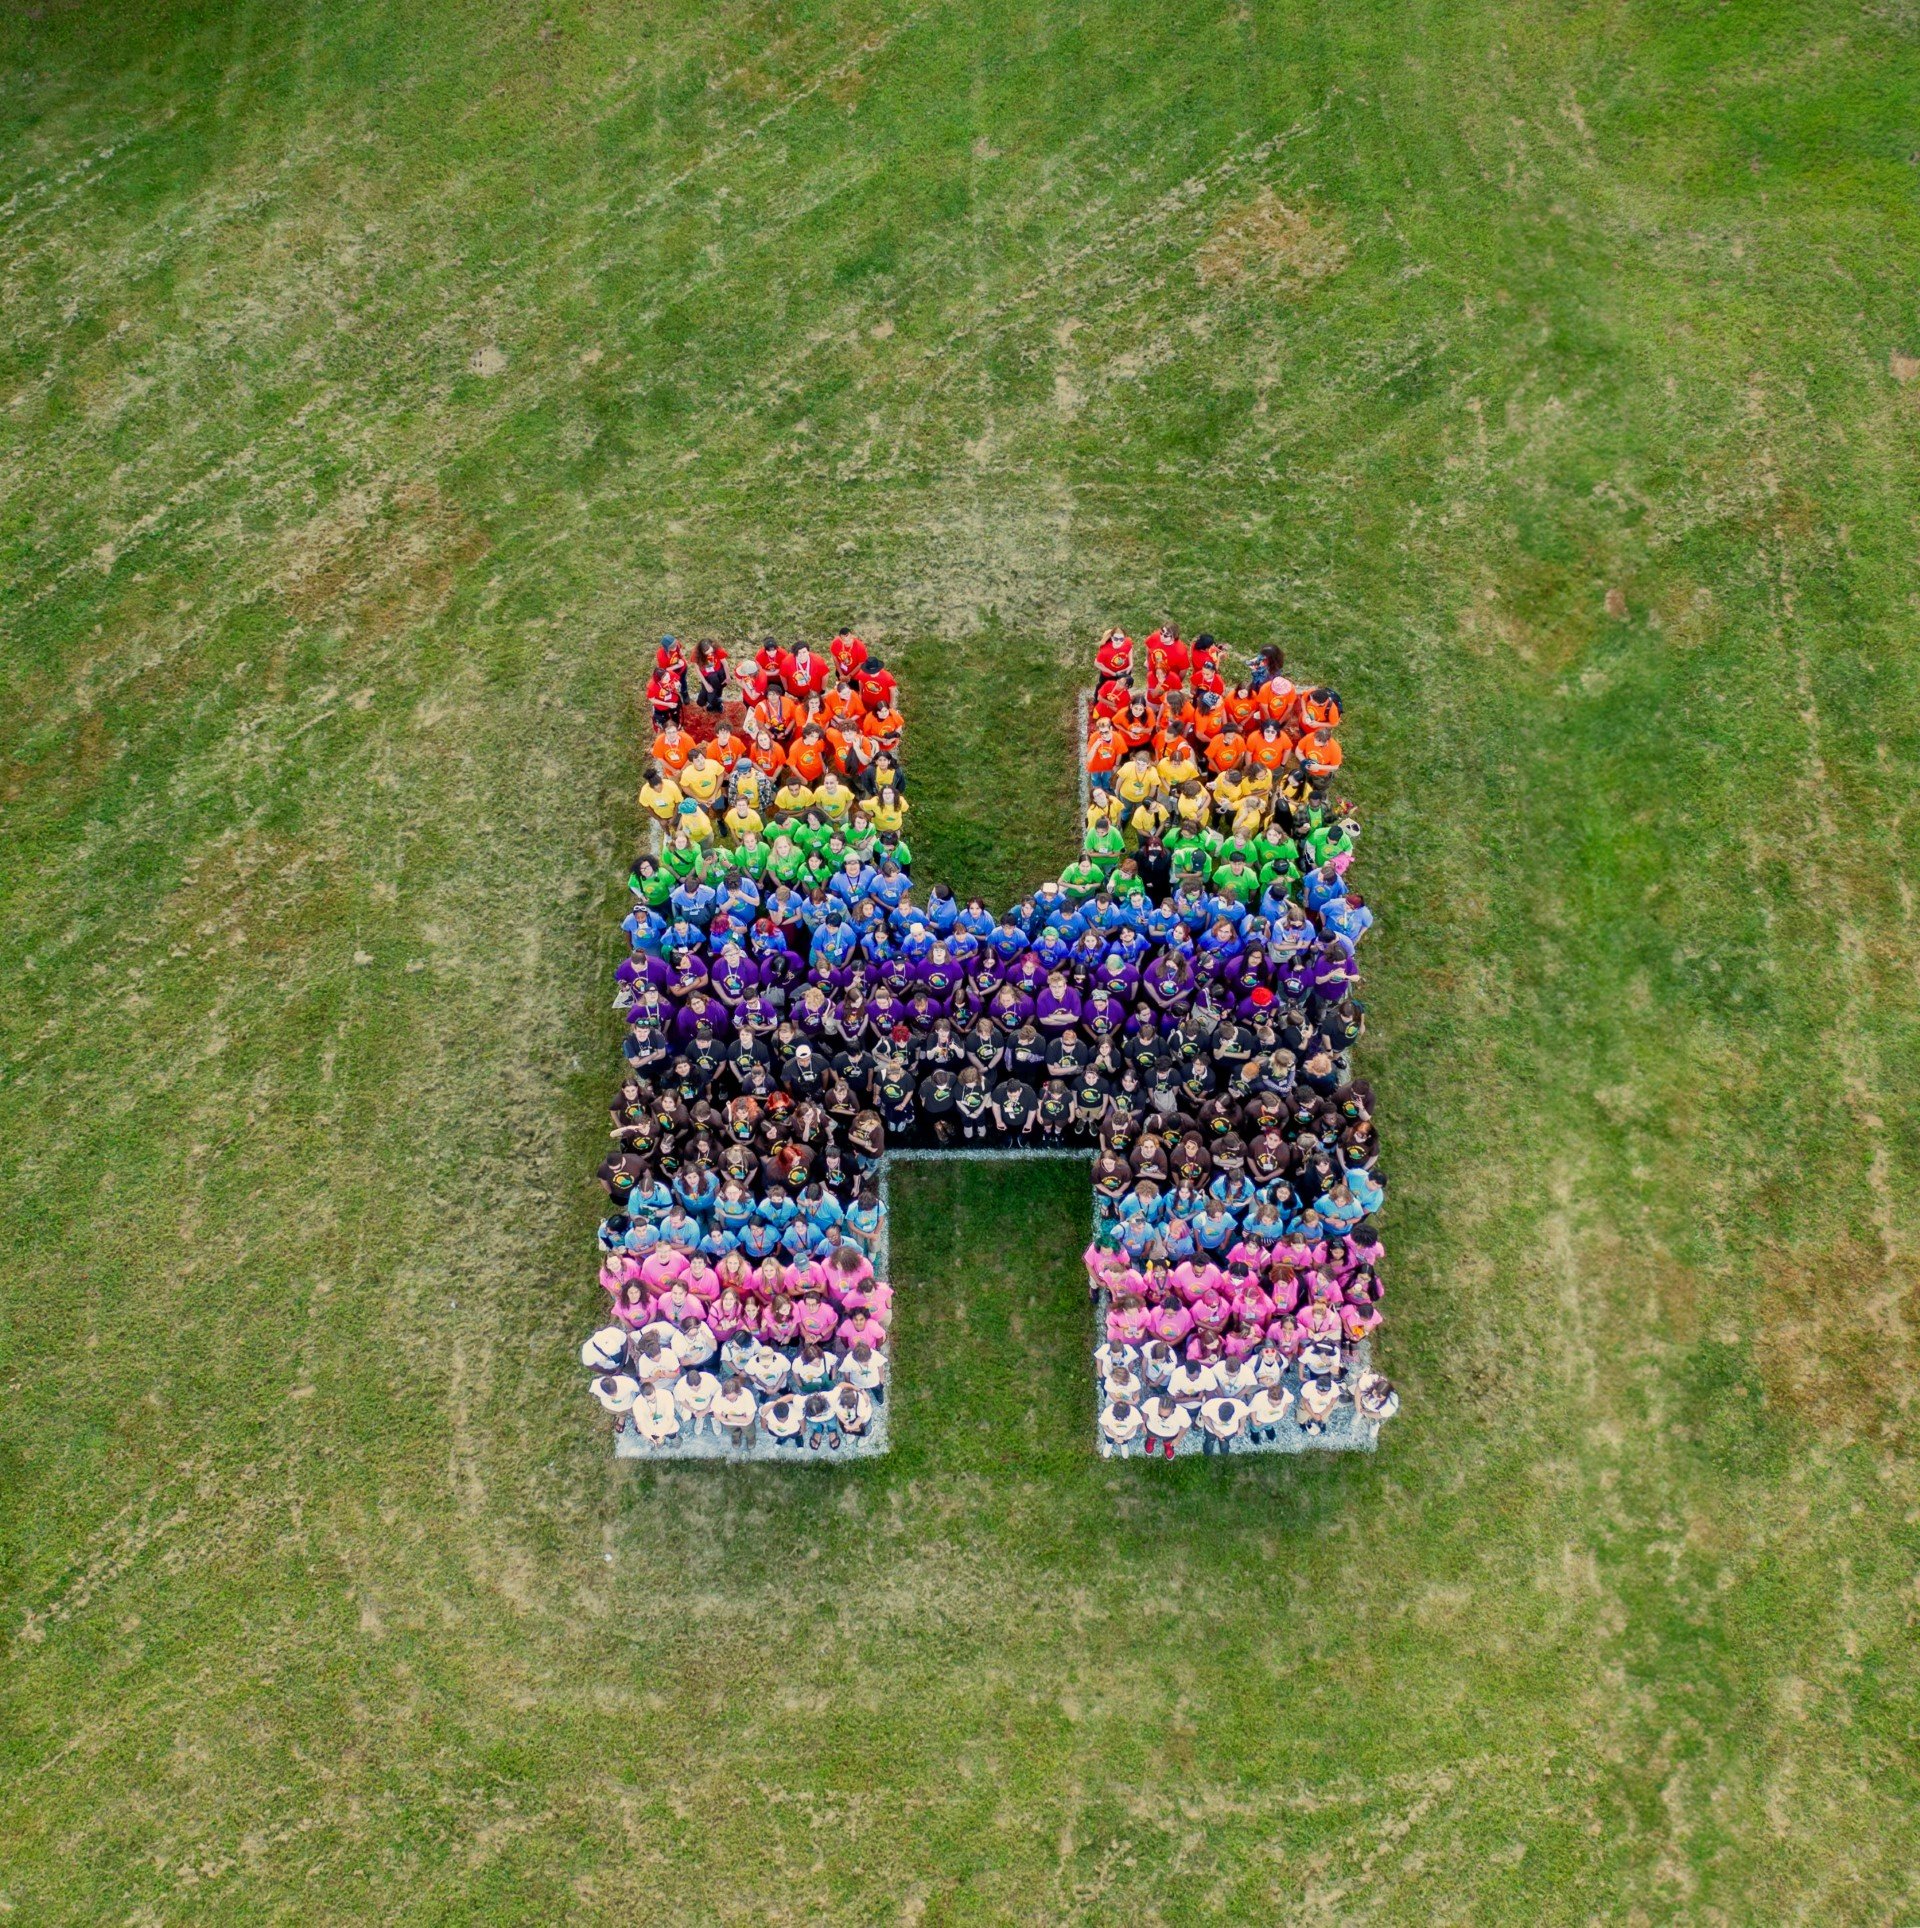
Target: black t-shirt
[(1016, 1100), (938, 1089), (620, 1172)]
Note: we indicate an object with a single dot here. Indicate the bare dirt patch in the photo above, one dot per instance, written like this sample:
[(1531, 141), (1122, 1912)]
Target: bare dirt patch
[(1836, 1326), (1270, 245)]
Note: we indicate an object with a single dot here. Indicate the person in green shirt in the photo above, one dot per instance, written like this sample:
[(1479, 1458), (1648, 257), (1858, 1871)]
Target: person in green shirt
[(1126, 882), (893, 845), (751, 854), (651, 882), (1106, 845), (861, 835), (1239, 880), (1081, 878), (785, 861), (1189, 861), (681, 856)]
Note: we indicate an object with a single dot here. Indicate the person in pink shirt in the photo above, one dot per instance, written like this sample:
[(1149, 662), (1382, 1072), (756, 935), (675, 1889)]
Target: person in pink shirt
[(1171, 1321), (725, 1317), (1127, 1321), (1241, 1340), (1283, 1283), (733, 1269), (618, 1271), (805, 1275), (662, 1266), (1211, 1310), (676, 1302), (818, 1320), (1156, 1285), (1253, 1303), (1319, 1325), (1284, 1337), (862, 1329), (634, 1307), (782, 1326)]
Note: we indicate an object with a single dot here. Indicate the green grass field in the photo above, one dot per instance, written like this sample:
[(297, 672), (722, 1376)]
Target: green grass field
[(378, 379)]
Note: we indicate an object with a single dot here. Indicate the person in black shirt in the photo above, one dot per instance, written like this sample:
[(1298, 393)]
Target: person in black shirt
[(938, 1091), (973, 1103), (1016, 1108)]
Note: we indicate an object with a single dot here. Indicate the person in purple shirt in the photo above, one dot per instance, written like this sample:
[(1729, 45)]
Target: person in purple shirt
[(734, 975), (1168, 981), (1057, 1008), (1104, 1012), (1027, 973), (1010, 1007)]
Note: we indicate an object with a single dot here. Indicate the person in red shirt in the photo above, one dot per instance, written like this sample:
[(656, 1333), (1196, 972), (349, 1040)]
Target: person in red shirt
[(1203, 664), (807, 672), (847, 650), (874, 680), (1111, 697), (665, 689), (1114, 657), (1166, 661)]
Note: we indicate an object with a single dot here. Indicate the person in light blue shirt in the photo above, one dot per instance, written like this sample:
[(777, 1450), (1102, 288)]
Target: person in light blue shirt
[(943, 910), (976, 920), (1368, 1193), (759, 1240), (1320, 887), (916, 941), (1234, 1190), (835, 943), (853, 883), (1348, 919), (1008, 939), (1215, 1228), (692, 901), (1051, 948)]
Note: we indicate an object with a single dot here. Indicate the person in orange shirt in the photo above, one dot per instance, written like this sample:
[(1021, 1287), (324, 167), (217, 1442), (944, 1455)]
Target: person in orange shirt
[(1104, 751), (1318, 708), (1225, 751), (1136, 723), (671, 749), (842, 704), (807, 755), (1319, 753), (1269, 745), (777, 712), (1242, 706), (726, 749), (886, 726), (1206, 719), (764, 751)]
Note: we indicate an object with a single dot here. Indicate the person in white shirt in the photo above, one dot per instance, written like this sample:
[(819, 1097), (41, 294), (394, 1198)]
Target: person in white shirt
[(1166, 1423), (616, 1393), (655, 1363), (1157, 1361), (1122, 1384), (606, 1351), (695, 1393), (866, 1368), (1191, 1384), (1270, 1366), (1119, 1428), (766, 1369), (854, 1410), (1265, 1410), (1318, 1398), (1107, 1355), (1222, 1421), (1375, 1402), (1237, 1377), (781, 1418), (694, 1342), (736, 1409), (657, 1416)]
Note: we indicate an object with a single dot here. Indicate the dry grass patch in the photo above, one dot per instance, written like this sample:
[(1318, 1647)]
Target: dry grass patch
[(1268, 244)]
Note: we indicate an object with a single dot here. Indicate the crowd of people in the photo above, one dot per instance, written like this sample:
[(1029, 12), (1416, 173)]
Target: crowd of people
[(1181, 1003)]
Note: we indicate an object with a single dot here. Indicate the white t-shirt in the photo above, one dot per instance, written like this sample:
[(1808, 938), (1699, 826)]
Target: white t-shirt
[(1120, 1429), (655, 1413), (616, 1392), (695, 1348), (1318, 1397), (606, 1351), (1166, 1425), (696, 1393), (1269, 1405), (1223, 1418), (866, 1376), (1269, 1369), (781, 1417), (1192, 1383), (768, 1371), (1157, 1361), (735, 1408), (1106, 1355), (862, 1415), (1123, 1383), (1237, 1376)]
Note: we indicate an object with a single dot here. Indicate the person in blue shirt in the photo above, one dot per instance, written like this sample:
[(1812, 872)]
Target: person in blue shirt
[(1051, 948), (891, 884), (1009, 938), (777, 1210), (1215, 1228), (758, 1239), (851, 884), (1348, 919), (738, 897), (976, 920), (834, 943), (692, 901), (1190, 907), (943, 910), (1320, 887), (917, 941)]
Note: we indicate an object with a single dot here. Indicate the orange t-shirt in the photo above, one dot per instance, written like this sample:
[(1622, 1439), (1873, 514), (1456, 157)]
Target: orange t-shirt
[(1269, 752), (1226, 750), (808, 756), (1104, 750), (726, 749), (1322, 757), (1277, 698), (1242, 707), (673, 755), (768, 757)]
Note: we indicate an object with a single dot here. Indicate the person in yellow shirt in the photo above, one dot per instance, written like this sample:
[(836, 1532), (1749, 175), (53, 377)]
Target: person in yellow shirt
[(702, 777), (1250, 815), (1228, 789), (1192, 804), (742, 819), (1105, 811), (1177, 766), (833, 799), (1136, 779), (1148, 819), (694, 821), (659, 794), (889, 812), (794, 797)]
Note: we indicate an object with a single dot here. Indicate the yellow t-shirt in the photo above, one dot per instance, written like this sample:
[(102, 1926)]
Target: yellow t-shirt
[(794, 797), (701, 779), (660, 799), (1174, 773), (888, 816), (1136, 782), (834, 801), (743, 821)]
